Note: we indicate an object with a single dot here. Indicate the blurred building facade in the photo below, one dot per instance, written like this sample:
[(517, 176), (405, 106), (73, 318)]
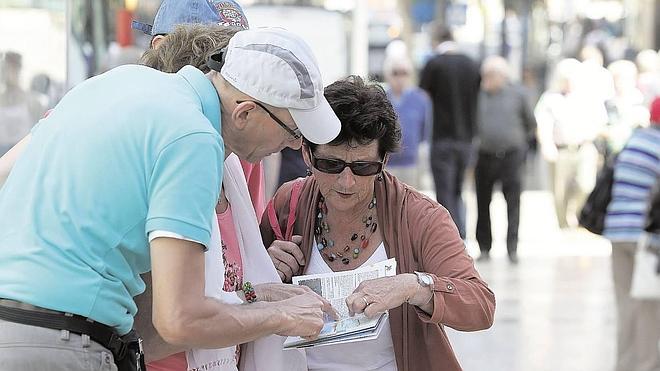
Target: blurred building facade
[(86, 37), (527, 32)]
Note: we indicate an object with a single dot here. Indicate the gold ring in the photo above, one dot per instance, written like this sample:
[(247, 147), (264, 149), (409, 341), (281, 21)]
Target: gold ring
[(366, 303)]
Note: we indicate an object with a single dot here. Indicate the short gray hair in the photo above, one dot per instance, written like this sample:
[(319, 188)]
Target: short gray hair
[(496, 64), (397, 62)]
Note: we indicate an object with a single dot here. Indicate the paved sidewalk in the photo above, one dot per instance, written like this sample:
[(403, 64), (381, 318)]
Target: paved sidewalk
[(553, 313), (555, 309)]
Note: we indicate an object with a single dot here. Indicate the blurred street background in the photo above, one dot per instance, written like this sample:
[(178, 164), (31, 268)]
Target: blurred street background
[(555, 302)]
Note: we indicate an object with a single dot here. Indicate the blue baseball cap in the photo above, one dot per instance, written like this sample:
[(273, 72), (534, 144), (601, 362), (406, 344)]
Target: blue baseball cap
[(175, 12)]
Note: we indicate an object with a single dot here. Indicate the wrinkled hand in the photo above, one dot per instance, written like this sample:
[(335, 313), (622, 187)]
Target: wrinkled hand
[(287, 257), (303, 315), (376, 296), (279, 291)]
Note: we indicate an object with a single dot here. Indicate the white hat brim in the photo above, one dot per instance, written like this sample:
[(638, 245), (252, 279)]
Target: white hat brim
[(319, 125)]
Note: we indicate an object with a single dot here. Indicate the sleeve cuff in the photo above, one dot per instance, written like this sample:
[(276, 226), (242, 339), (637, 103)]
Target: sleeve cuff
[(441, 287), (185, 230), (160, 233)]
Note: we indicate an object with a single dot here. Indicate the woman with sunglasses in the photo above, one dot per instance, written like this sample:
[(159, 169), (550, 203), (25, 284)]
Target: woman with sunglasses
[(350, 213)]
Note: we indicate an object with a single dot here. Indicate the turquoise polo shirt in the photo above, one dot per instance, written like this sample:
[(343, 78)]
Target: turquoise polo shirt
[(125, 153)]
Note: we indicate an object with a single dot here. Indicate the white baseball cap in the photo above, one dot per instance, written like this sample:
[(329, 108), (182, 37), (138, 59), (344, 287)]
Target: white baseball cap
[(276, 67)]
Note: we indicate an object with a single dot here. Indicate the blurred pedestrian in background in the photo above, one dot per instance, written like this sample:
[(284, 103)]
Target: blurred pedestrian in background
[(569, 120), (452, 80), (625, 110), (19, 109), (648, 80), (506, 125), (594, 79), (635, 172), (413, 108), (46, 89)]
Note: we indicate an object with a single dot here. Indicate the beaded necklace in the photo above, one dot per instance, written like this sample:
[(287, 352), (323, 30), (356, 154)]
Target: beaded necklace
[(328, 248)]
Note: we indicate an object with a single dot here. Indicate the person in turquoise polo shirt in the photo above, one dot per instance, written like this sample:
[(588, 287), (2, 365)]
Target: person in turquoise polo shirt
[(123, 176)]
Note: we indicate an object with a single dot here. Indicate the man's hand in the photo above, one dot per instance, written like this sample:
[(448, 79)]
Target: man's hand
[(287, 257), (303, 315), (279, 291)]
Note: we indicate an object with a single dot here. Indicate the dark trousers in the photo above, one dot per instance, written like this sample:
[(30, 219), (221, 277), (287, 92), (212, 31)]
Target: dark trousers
[(449, 160), (506, 168)]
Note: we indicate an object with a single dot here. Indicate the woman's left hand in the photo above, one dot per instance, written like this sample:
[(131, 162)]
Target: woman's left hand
[(378, 295)]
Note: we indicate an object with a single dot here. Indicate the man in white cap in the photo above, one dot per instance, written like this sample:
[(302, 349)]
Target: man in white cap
[(74, 240)]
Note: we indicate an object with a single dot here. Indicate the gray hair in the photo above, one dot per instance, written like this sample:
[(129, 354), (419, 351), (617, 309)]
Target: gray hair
[(566, 70), (647, 61), (188, 44), (496, 64), (397, 62)]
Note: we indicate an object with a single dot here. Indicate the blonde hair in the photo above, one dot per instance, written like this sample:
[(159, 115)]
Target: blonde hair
[(189, 44)]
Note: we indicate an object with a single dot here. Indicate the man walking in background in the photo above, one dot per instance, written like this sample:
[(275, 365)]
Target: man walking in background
[(506, 125), (452, 80)]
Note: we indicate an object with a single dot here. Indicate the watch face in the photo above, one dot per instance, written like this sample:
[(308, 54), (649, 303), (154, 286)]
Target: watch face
[(427, 280), (424, 279)]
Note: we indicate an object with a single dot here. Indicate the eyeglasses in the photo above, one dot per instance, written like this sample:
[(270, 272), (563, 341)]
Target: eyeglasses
[(294, 133), (399, 73), (360, 168)]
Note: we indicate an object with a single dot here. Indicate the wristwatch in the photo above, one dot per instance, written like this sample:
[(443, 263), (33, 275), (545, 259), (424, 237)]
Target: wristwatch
[(424, 279)]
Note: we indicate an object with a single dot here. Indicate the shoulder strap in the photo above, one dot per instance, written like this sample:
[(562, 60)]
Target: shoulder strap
[(272, 219), (293, 204)]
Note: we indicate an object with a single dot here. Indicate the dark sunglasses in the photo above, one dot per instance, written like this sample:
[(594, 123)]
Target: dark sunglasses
[(360, 168), (294, 133)]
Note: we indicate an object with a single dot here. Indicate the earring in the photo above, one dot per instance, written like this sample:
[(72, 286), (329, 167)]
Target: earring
[(308, 172), (380, 177)]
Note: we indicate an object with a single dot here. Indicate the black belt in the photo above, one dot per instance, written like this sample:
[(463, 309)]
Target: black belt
[(100, 333), (500, 154), (573, 147)]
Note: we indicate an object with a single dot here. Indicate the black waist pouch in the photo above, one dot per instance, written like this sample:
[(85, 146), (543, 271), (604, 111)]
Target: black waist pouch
[(132, 356)]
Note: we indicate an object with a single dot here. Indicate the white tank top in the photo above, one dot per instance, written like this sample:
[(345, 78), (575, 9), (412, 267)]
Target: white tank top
[(377, 354)]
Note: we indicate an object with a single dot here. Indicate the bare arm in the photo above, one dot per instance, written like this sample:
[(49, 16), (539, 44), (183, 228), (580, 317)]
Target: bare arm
[(8, 160), (155, 347), (184, 316), (458, 298)]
